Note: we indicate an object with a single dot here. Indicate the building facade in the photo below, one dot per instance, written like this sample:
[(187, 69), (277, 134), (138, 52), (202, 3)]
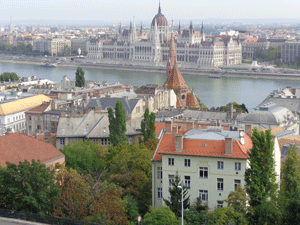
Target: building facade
[(192, 49)]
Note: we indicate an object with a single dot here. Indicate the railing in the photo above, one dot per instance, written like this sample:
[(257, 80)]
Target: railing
[(39, 218)]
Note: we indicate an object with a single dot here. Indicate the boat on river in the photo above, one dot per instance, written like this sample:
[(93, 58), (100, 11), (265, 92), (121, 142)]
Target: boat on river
[(217, 75), (50, 65)]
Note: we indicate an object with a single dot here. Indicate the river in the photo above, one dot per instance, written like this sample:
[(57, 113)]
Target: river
[(212, 92)]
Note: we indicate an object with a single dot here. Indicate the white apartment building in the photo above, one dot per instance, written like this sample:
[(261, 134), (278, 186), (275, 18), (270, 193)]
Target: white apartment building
[(211, 163)]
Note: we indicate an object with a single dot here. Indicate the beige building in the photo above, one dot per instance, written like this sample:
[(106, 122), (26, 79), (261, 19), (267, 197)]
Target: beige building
[(54, 46)]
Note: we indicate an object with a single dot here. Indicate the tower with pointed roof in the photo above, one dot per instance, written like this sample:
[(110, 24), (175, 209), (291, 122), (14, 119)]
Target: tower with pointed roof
[(175, 81)]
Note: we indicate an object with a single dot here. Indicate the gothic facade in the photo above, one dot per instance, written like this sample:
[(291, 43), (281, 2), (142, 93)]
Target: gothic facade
[(192, 48)]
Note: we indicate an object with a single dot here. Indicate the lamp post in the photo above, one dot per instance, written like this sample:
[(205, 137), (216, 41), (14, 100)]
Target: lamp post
[(180, 187)]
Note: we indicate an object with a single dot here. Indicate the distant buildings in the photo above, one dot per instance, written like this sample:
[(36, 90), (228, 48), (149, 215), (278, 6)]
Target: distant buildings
[(54, 46), (192, 48), (290, 51)]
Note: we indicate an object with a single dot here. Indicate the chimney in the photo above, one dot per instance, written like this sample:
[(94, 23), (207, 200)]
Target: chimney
[(168, 127), (62, 113), (53, 105), (179, 143), (228, 146), (97, 109), (248, 130), (174, 131), (190, 125), (81, 113), (74, 114)]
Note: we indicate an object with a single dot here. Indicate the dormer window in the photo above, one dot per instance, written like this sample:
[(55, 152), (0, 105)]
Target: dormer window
[(204, 144)]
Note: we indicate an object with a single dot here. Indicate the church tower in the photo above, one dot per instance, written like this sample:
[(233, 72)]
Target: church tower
[(175, 81), (172, 56)]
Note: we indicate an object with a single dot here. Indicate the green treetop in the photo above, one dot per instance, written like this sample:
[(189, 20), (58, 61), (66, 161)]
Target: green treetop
[(28, 187), (148, 125), (79, 80), (290, 188), (117, 124), (260, 178)]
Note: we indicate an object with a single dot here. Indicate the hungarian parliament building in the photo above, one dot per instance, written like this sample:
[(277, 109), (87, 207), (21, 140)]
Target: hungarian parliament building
[(132, 46)]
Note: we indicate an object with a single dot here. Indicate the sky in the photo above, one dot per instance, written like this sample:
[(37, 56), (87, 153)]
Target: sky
[(119, 10)]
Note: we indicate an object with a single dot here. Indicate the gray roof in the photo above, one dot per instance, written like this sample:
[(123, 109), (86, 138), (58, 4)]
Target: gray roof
[(204, 115), (105, 103), (212, 133), (292, 104), (92, 125), (169, 113), (270, 114)]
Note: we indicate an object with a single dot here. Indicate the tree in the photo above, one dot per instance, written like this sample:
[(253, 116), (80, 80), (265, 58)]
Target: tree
[(260, 177), (130, 167), (175, 193), (84, 156), (225, 215), (117, 124), (290, 187), (197, 214), (162, 216), (6, 76), (74, 200), (148, 125), (238, 200), (28, 187), (79, 80)]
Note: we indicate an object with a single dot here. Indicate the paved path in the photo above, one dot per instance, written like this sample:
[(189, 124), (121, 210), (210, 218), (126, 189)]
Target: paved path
[(7, 221)]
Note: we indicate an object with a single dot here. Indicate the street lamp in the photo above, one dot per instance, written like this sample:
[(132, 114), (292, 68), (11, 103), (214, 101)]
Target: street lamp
[(180, 187)]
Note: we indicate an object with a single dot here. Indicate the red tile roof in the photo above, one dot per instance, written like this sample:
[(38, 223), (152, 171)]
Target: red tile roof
[(19, 147), (159, 127), (195, 147)]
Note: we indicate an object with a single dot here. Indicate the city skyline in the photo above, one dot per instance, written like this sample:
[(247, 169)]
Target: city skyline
[(116, 10)]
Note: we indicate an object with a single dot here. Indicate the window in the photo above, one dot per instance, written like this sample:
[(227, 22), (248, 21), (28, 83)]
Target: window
[(187, 162), (29, 127), (236, 183), (159, 172), (187, 181), (220, 165), (171, 180), (62, 141), (220, 204), (203, 194), (238, 166), (159, 193), (220, 184), (171, 161), (203, 173), (8, 120), (29, 117)]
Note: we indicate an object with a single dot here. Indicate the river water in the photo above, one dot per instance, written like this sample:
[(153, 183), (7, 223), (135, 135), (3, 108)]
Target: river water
[(212, 92)]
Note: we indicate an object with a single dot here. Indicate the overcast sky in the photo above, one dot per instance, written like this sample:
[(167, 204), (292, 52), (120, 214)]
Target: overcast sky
[(116, 10)]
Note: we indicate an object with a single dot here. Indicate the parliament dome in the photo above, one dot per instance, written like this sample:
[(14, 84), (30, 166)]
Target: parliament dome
[(160, 19)]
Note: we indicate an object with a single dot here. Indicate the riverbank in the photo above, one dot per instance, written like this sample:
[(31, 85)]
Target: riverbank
[(202, 72)]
